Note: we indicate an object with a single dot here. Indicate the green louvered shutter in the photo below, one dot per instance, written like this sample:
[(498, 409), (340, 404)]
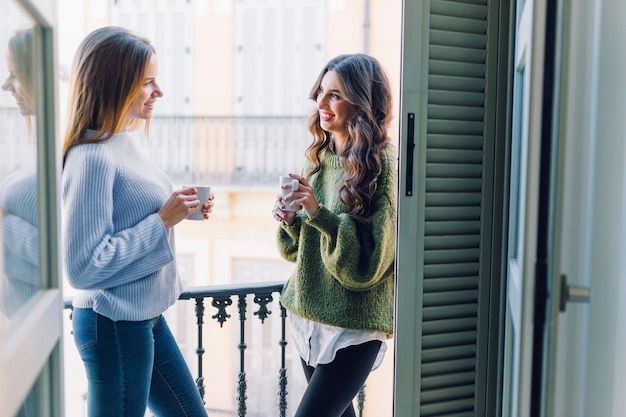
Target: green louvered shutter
[(454, 138)]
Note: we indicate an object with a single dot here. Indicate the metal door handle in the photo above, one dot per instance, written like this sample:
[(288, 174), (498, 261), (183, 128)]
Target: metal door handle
[(573, 293)]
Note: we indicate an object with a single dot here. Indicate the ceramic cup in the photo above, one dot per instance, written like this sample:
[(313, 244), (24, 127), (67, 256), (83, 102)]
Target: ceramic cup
[(292, 185), (204, 192)]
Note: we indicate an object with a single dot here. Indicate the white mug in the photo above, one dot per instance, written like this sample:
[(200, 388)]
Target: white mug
[(204, 192), (286, 180)]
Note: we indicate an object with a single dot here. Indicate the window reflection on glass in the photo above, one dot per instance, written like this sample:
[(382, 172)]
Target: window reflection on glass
[(18, 165)]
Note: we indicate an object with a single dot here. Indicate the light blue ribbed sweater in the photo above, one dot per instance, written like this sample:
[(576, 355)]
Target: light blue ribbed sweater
[(18, 199), (117, 251)]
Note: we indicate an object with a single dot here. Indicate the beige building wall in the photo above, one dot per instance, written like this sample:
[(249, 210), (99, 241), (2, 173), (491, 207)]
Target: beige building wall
[(213, 59)]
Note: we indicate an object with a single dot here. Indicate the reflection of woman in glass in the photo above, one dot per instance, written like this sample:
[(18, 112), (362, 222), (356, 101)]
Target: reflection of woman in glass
[(18, 201), (18, 192)]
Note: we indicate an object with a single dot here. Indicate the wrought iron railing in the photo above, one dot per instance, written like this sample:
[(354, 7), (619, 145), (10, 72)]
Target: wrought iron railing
[(223, 297)]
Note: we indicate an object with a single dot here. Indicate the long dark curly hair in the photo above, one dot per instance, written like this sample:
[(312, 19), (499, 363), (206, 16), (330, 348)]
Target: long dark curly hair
[(365, 85)]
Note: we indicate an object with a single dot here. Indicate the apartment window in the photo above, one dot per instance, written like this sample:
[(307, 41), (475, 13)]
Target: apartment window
[(279, 52), (169, 27)]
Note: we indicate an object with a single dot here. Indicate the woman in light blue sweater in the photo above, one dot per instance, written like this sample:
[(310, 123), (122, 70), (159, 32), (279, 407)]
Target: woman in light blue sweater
[(119, 253), (342, 239), (19, 190)]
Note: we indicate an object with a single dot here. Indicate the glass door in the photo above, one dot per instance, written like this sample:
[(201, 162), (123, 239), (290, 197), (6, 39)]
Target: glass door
[(31, 301), (522, 204)]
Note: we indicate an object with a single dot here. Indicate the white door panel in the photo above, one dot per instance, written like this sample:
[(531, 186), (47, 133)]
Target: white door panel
[(587, 365)]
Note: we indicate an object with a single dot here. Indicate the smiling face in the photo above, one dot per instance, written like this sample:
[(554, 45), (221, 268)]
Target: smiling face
[(150, 91), (334, 110), (16, 87)]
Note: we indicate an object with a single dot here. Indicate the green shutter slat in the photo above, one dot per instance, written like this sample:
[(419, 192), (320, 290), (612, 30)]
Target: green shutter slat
[(454, 156), (458, 39), (456, 54), (443, 97), (438, 185), (464, 69), (450, 297), (447, 394), (448, 380), (458, 24), (447, 353), (449, 326), (450, 228), (457, 283), (456, 241), (458, 408), (443, 340), (479, 2), (449, 312), (458, 112), (454, 126), (452, 213), (450, 366), (456, 83), (451, 270), (451, 255), (469, 10), (452, 199), (447, 141), (452, 170)]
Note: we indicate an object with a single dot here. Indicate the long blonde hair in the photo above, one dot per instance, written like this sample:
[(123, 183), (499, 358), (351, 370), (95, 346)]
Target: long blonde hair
[(107, 75), (364, 85), (22, 51)]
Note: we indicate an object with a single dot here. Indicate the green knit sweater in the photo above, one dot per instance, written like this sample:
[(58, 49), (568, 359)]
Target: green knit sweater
[(344, 273)]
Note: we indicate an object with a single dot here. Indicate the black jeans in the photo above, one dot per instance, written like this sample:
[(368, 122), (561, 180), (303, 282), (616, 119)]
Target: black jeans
[(332, 386)]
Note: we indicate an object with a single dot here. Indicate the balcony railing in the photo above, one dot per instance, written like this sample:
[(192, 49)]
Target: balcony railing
[(228, 151), (221, 298)]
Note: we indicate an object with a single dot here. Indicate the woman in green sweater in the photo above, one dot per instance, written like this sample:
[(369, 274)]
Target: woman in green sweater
[(342, 238)]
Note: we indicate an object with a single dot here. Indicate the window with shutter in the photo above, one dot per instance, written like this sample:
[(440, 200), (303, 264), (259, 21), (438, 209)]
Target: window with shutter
[(279, 52), (168, 26)]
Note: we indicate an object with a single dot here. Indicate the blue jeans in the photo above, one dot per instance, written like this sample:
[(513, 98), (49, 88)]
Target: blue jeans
[(132, 365)]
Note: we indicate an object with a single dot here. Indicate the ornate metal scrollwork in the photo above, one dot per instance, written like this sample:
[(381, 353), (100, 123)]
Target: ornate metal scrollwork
[(221, 303), (263, 300)]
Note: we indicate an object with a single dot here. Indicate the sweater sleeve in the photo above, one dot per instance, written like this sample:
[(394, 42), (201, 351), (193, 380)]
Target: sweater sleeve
[(288, 238), (94, 252), (22, 241)]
